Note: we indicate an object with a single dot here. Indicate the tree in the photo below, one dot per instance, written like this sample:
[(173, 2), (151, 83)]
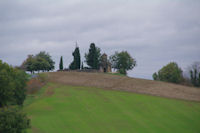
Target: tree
[(122, 62), (6, 86), (194, 70), (76, 63), (12, 85), (29, 64), (155, 76), (12, 93), (21, 79), (93, 56), (170, 73), (47, 57), (40, 62), (61, 63)]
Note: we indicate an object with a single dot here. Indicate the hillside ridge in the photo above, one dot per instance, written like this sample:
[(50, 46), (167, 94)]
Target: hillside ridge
[(124, 83)]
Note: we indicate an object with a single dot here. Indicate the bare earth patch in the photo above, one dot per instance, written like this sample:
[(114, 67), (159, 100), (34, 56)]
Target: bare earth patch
[(107, 81)]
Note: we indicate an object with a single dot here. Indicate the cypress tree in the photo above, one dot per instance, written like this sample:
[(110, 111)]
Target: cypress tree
[(76, 63), (61, 63), (93, 56)]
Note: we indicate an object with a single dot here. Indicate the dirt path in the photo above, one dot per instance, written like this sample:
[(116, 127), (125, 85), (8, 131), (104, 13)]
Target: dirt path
[(108, 81)]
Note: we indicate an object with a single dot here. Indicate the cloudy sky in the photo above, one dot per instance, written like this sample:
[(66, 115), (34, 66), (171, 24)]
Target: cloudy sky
[(154, 32)]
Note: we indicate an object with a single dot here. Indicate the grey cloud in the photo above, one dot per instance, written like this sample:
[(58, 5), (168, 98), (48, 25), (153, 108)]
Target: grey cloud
[(154, 32)]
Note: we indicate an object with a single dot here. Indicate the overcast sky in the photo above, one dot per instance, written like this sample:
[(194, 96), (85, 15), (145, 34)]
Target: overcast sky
[(154, 32)]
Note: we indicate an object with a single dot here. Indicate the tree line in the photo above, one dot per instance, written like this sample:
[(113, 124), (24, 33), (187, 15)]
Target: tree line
[(121, 61), (174, 74)]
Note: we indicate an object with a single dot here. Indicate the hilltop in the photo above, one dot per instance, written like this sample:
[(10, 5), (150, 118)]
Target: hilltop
[(124, 83)]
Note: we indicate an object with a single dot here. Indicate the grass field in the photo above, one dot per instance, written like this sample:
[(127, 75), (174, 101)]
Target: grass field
[(68, 109)]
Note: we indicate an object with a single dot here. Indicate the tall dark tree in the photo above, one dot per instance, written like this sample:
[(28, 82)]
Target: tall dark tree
[(122, 62), (61, 63), (93, 56), (76, 63)]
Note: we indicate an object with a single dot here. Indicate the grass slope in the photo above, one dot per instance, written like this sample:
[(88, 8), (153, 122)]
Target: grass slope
[(68, 109)]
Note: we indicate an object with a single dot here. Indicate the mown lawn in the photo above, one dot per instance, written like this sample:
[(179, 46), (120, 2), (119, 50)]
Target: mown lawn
[(68, 109)]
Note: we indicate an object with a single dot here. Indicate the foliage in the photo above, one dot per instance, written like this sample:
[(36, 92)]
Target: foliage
[(12, 93), (6, 87), (40, 62), (76, 63), (61, 63), (20, 79), (12, 85), (195, 74), (29, 64), (109, 111), (122, 62), (12, 120), (47, 58), (170, 73), (93, 56), (155, 76)]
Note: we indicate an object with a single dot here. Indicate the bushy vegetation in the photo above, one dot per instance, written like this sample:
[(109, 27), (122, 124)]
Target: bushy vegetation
[(13, 120), (12, 94), (169, 73), (122, 61)]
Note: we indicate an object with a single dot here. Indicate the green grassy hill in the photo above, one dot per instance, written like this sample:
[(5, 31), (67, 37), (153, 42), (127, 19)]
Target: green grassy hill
[(60, 108)]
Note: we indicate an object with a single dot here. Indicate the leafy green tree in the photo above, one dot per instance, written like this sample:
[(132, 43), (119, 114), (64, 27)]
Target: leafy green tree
[(170, 73), (6, 86), (76, 63), (122, 62), (29, 64), (20, 82), (40, 62), (47, 57), (12, 93), (93, 56), (61, 63), (12, 85)]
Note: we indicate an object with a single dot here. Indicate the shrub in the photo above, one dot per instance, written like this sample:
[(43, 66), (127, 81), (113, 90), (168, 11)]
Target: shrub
[(12, 120)]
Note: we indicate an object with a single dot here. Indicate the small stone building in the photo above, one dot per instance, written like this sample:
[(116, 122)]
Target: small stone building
[(105, 65)]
